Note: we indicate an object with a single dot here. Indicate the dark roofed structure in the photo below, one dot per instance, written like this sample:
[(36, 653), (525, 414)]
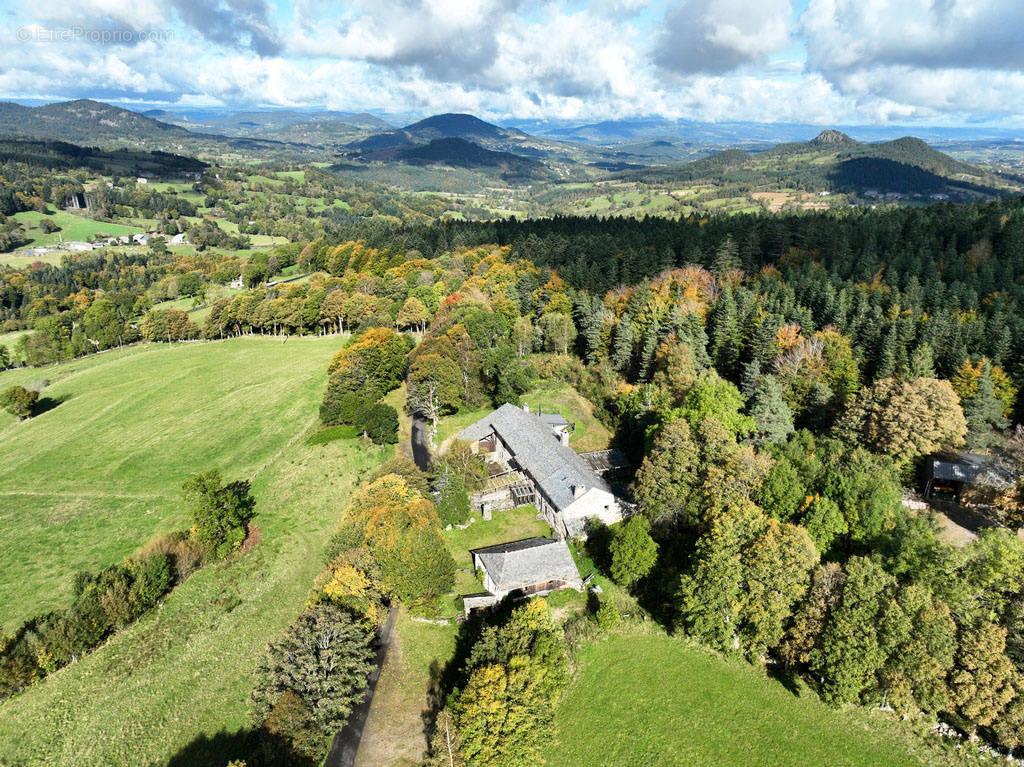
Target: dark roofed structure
[(969, 469), (525, 568)]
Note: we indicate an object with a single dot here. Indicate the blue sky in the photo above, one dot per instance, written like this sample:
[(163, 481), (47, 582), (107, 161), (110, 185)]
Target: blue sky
[(937, 62)]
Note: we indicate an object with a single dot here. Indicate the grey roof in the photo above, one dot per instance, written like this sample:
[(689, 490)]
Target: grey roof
[(971, 468), (553, 419), (518, 564), (554, 467)]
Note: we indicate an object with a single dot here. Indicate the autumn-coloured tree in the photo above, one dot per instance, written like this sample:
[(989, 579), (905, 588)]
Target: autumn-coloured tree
[(401, 530), (905, 419), (981, 683)]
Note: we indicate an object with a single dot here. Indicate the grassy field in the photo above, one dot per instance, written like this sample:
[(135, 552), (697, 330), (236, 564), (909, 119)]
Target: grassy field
[(72, 227), (660, 702), (20, 260), (86, 482)]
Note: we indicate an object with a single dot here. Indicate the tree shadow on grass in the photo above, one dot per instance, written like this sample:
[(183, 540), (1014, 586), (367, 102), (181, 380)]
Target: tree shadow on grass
[(46, 404), (257, 748), (788, 678)]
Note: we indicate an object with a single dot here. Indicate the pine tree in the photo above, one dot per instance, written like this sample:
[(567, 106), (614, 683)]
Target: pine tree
[(772, 417), (725, 333), (984, 412)]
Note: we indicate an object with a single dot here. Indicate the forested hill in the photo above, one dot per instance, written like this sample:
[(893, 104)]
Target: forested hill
[(60, 154), (835, 162), (899, 277), (93, 123)]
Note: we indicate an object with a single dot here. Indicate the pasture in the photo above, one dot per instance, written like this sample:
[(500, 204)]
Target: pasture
[(86, 482), (658, 701), (72, 227)]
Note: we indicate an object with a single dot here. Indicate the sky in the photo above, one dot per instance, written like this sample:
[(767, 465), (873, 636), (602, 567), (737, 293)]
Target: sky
[(864, 62)]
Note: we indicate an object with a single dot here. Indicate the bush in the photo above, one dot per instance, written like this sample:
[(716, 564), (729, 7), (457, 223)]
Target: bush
[(341, 407), (153, 579), (19, 401), (220, 512), (607, 615), (186, 555), (379, 422)]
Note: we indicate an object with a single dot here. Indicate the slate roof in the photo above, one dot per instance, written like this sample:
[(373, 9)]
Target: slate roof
[(553, 419), (554, 467), (519, 564), (971, 468)]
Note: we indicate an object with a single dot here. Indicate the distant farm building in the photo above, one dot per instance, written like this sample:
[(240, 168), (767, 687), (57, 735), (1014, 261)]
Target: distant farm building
[(949, 474), (75, 245), (521, 569), (141, 180), (530, 461), (178, 239)]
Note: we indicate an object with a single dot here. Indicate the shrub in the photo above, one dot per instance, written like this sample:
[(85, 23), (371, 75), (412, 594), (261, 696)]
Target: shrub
[(19, 401), (607, 615), (379, 422), (153, 578), (220, 512), (186, 555), (341, 407)]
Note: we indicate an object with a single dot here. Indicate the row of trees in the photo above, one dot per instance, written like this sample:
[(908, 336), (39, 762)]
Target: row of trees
[(108, 600)]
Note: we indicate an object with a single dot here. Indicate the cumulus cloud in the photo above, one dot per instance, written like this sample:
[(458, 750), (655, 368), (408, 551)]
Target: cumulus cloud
[(857, 34), (721, 35), (919, 58), (446, 39), (235, 23)]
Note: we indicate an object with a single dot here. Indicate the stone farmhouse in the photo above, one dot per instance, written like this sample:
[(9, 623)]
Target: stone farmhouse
[(530, 461), (520, 569)]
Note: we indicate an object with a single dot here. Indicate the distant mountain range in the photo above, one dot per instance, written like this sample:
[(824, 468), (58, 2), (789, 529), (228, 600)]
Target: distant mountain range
[(459, 141), (629, 150)]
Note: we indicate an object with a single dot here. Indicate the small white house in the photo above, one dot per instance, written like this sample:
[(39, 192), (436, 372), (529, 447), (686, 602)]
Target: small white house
[(178, 239), (237, 283), (75, 245), (141, 239), (141, 180)]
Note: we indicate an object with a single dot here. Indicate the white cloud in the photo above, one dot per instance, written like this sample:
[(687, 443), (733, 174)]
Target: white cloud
[(721, 35), (918, 59)]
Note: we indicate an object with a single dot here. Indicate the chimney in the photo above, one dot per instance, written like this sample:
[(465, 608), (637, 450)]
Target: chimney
[(578, 491), (563, 437), (526, 407)]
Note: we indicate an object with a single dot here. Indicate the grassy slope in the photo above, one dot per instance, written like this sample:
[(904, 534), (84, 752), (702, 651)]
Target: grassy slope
[(85, 483), (657, 701), (184, 671), (73, 227)]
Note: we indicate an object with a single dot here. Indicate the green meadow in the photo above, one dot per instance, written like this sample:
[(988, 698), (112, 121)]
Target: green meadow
[(659, 701), (72, 227), (85, 483)]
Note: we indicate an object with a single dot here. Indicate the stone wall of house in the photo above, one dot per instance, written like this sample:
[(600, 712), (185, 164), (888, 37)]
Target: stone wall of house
[(498, 500)]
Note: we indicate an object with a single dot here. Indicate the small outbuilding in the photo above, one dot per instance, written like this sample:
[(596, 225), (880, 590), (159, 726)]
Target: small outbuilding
[(521, 569), (949, 474)]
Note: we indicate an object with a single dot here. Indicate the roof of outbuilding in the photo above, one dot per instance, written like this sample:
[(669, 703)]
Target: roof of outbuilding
[(971, 468), (519, 564), (555, 467)]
